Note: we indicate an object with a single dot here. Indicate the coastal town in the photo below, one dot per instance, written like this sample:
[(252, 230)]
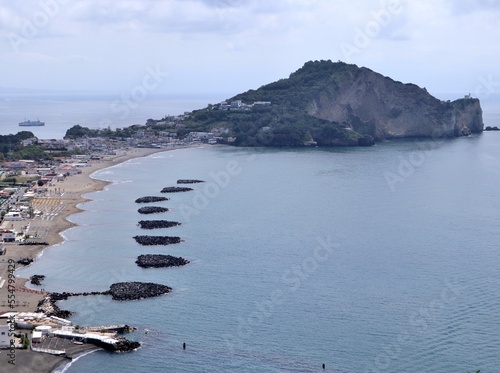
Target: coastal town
[(36, 197), (35, 200)]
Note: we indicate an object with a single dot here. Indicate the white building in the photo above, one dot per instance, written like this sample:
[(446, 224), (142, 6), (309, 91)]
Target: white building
[(13, 216), (4, 336), (37, 336), (236, 104), (6, 235)]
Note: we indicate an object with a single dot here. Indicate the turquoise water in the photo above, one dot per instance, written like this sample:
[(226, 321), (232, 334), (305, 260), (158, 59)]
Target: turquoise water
[(381, 259)]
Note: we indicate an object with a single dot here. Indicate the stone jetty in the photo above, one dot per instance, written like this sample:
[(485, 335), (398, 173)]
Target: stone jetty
[(160, 261), (175, 189), (137, 290), (189, 181), (124, 345), (157, 240), (156, 224), (152, 210), (119, 291), (150, 199)]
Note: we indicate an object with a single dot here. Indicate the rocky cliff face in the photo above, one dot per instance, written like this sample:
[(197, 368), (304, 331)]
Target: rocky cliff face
[(372, 104)]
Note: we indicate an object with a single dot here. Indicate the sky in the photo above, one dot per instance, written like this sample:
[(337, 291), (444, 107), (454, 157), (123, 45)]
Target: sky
[(224, 47)]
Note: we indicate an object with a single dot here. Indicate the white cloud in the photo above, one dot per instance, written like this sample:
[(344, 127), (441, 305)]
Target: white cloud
[(233, 45)]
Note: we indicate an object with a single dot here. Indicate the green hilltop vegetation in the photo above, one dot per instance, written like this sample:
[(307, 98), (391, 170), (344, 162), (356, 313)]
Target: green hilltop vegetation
[(323, 103), (285, 122), (14, 148), (11, 147)]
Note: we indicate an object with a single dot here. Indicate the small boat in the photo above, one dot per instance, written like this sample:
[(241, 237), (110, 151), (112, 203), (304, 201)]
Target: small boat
[(29, 123)]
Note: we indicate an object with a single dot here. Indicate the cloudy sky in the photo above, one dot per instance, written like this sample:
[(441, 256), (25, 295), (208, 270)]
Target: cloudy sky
[(223, 47)]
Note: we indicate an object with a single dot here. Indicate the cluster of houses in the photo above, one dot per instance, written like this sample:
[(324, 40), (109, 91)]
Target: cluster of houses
[(43, 327), (240, 105), (15, 201), (216, 135)]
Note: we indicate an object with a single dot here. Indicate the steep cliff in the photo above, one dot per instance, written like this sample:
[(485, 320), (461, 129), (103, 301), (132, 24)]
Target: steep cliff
[(383, 108), (331, 104)]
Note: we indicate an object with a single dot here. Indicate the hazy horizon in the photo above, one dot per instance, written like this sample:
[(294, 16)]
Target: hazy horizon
[(220, 47)]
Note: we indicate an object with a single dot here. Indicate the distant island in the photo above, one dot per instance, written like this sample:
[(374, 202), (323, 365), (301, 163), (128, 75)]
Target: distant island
[(324, 103)]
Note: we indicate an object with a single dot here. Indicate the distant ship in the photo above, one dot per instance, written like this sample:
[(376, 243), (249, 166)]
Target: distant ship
[(29, 123)]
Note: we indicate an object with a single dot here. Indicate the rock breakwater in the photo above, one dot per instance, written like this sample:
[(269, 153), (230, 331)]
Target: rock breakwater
[(156, 224), (157, 240), (160, 261), (175, 189), (37, 279), (137, 290), (189, 181), (149, 199), (152, 210)]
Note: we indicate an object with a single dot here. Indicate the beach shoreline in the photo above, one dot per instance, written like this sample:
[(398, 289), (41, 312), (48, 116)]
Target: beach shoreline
[(61, 202)]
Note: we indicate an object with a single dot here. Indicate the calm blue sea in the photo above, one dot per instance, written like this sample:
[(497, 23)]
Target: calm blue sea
[(62, 111), (381, 259)]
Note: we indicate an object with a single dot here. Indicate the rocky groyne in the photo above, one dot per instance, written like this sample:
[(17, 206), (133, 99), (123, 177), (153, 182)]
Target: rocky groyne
[(189, 181), (137, 290), (37, 279), (150, 199), (25, 261), (175, 189), (123, 345), (152, 210), (157, 224), (119, 291), (160, 261), (156, 240), (49, 307)]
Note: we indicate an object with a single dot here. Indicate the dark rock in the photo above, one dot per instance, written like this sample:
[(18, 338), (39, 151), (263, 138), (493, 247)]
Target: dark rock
[(125, 345), (490, 128), (152, 210), (189, 181), (156, 224), (160, 261), (366, 140), (37, 279), (150, 199), (157, 240), (175, 189), (25, 261), (34, 243), (137, 290), (48, 305)]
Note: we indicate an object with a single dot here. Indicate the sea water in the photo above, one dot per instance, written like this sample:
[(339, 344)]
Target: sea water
[(61, 111), (380, 259)]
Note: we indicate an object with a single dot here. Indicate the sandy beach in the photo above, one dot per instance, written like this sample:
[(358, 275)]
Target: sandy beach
[(61, 201)]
